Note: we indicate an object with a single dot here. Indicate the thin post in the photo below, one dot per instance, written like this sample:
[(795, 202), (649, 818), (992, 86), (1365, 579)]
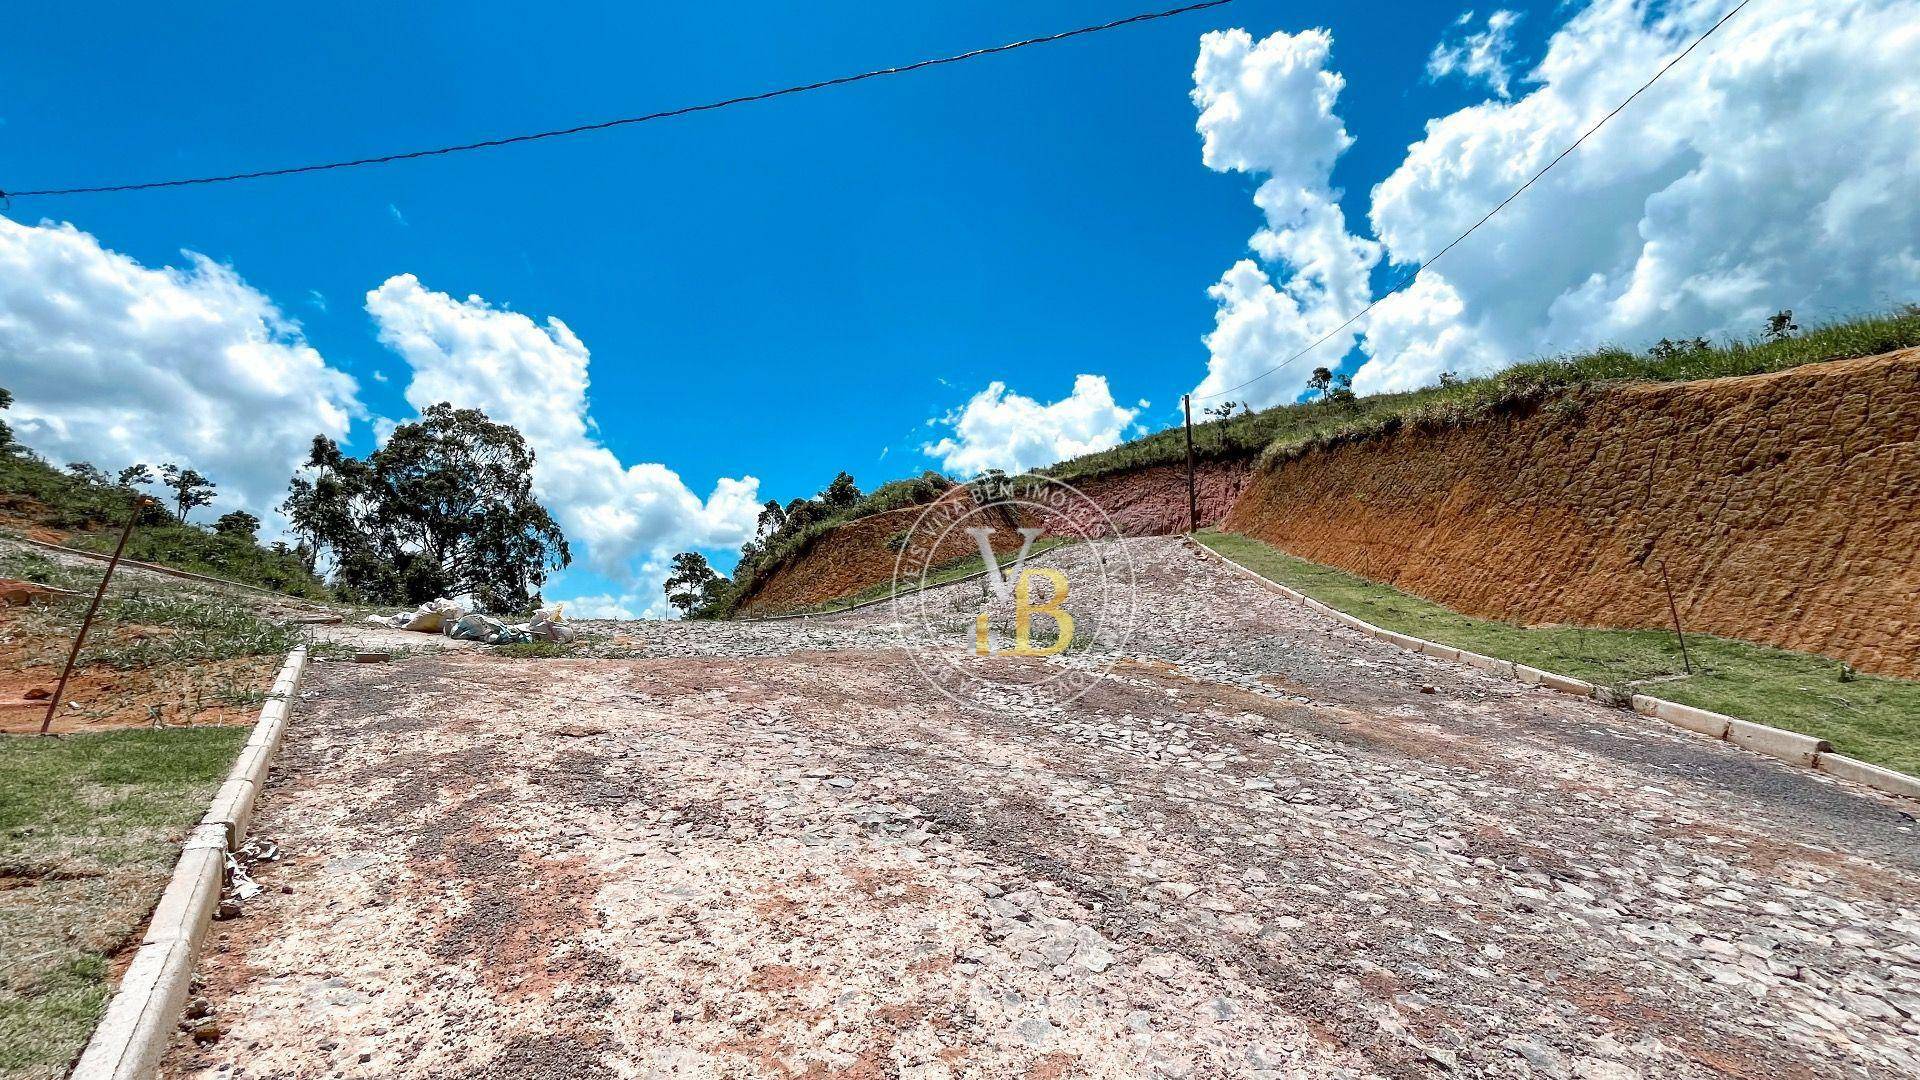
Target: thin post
[(1674, 610), (73, 654), (1193, 499)]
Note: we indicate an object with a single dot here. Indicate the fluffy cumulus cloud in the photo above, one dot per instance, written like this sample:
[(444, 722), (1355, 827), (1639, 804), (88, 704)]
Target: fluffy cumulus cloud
[(629, 518), (1267, 107), (999, 429), (113, 362), (1771, 169), (1480, 56)]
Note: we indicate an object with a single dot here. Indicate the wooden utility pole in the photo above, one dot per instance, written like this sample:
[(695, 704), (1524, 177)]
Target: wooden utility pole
[(1674, 610), (1193, 498), (60, 688)]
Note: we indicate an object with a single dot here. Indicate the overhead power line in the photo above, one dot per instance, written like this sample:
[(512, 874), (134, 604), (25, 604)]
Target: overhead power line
[(581, 129), (1407, 279)]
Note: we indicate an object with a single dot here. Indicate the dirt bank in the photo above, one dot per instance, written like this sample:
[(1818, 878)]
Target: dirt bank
[(1786, 508), (862, 553), (1153, 501)]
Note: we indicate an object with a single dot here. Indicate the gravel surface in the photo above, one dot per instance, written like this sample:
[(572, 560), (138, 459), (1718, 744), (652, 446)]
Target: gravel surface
[(1261, 845)]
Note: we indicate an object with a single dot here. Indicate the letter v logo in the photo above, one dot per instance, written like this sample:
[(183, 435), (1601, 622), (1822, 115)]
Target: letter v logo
[(983, 535)]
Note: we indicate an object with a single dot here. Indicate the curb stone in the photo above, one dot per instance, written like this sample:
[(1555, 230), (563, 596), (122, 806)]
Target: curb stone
[(1788, 746), (139, 1021)]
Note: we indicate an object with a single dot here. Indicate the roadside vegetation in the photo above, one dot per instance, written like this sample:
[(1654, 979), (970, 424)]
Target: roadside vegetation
[(1865, 716), (90, 827), (158, 655), (1335, 415), (84, 508)]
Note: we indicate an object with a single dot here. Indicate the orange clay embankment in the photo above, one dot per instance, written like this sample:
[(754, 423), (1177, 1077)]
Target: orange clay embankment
[(1153, 501), (861, 553), (1785, 506)]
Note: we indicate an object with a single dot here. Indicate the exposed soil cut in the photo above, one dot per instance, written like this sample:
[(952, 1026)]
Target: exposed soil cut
[(1786, 508), (861, 554)]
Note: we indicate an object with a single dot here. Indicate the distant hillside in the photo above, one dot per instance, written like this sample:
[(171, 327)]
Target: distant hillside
[(41, 502), (1142, 482)]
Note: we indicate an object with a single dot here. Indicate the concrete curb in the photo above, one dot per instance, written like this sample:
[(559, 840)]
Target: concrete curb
[(1789, 746), (139, 1021)]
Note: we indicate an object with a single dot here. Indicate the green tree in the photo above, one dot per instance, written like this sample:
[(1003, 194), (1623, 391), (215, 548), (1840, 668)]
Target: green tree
[(772, 519), (238, 524), (1341, 393), (7, 444), (693, 585), (1780, 325), (1320, 380), (841, 494), (134, 476), (86, 473), (445, 508), (190, 489)]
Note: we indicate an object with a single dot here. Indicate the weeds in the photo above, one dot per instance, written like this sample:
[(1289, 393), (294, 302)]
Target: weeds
[(88, 833), (174, 627), (1285, 431), (1869, 717), (24, 564)]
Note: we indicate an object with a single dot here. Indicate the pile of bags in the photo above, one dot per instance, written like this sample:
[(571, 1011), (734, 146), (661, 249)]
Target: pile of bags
[(450, 617)]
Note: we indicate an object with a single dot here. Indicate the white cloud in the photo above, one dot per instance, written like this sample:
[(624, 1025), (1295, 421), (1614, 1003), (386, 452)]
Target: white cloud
[(997, 429), (1477, 56), (1268, 107), (534, 377), (604, 606), (1769, 170), (114, 363)]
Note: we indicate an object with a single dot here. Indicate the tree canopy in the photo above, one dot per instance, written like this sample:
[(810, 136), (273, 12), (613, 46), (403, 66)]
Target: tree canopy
[(694, 586), (444, 508)]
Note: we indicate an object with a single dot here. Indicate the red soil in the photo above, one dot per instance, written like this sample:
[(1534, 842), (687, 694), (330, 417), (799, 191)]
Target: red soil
[(1786, 508)]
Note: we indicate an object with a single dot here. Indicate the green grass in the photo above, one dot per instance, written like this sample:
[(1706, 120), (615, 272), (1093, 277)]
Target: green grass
[(1868, 717), (89, 831), (92, 514), (199, 628), (1286, 430), (25, 564)]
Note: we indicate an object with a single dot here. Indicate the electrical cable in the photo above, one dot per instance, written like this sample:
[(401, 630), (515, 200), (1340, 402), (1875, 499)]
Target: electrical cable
[(1407, 279), (579, 129)]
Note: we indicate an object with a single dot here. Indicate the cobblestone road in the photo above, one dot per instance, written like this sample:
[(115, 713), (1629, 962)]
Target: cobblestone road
[(1262, 845)]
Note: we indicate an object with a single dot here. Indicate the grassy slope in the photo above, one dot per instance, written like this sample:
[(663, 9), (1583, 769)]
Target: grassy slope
[(1874, 719), (1289, 429), (89, 831), (31, 491)]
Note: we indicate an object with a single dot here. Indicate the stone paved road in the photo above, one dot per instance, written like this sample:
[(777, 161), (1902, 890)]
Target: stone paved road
[(1257, 848)]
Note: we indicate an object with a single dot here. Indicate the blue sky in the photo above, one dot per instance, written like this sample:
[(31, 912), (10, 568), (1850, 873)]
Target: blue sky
[(776, 290), (787, 289)]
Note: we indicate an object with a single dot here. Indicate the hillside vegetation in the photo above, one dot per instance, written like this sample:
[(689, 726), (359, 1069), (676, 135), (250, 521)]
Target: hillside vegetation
[(1289, 430), (1338, 416), (41, 501)]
